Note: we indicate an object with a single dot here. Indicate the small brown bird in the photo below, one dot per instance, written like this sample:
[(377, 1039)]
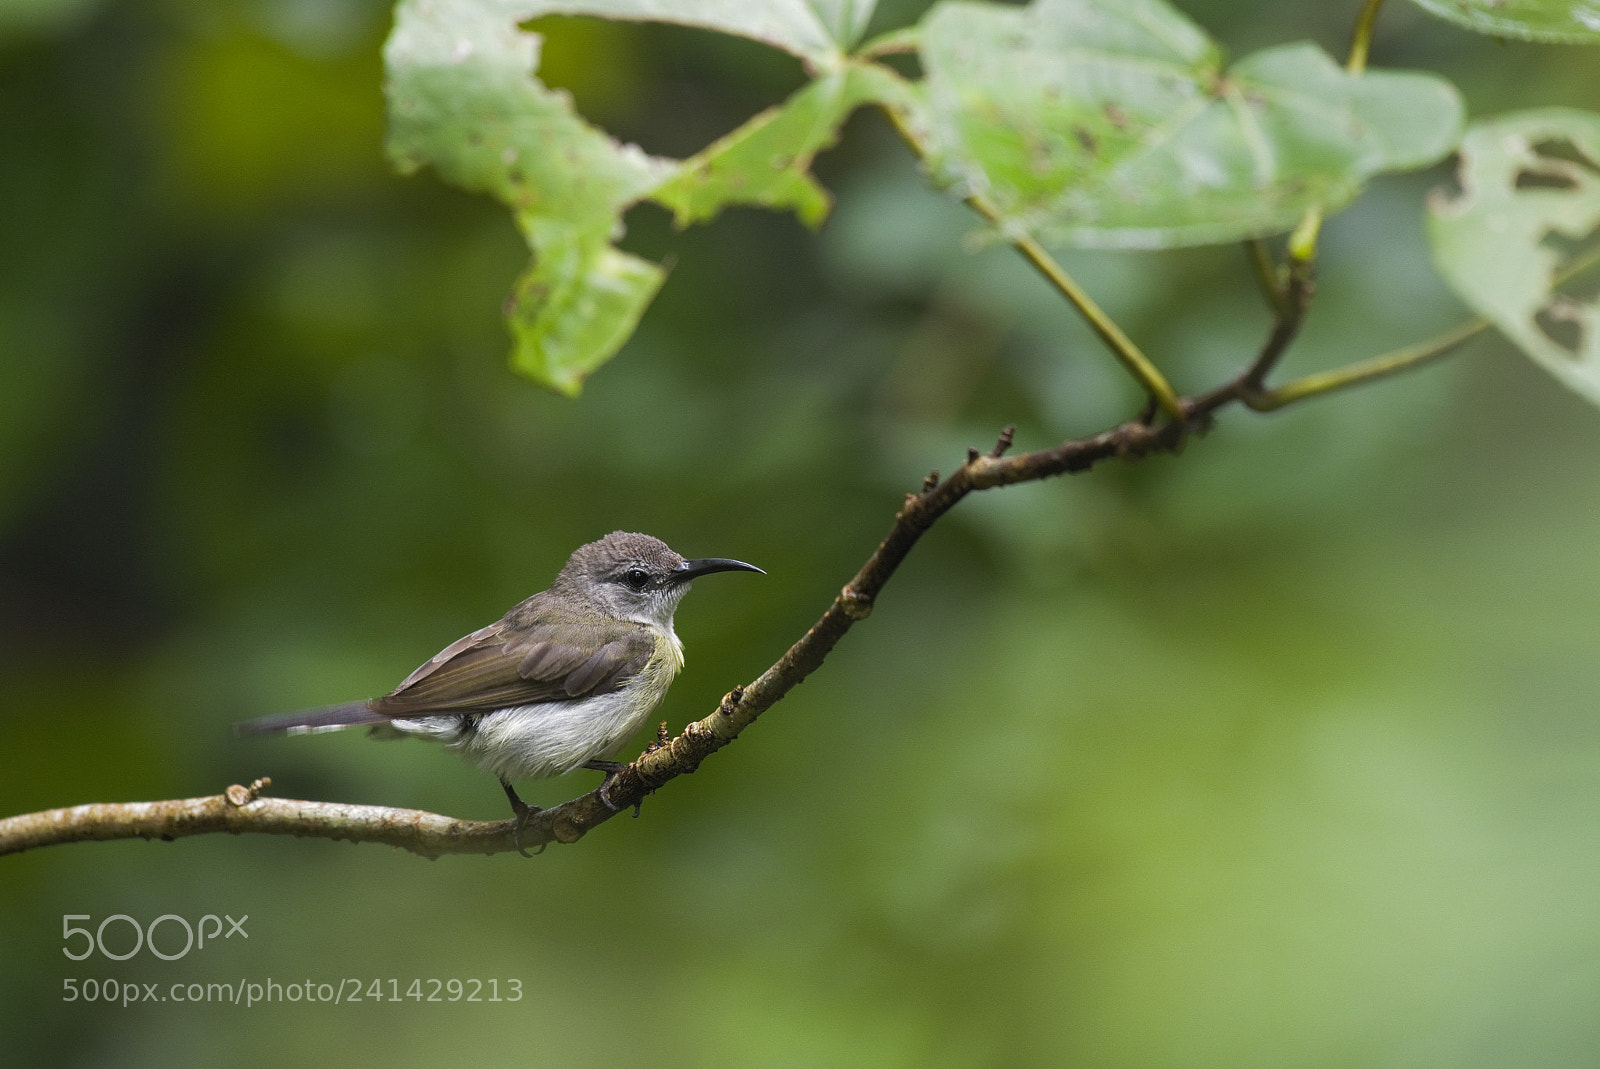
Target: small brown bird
[(562, 681)]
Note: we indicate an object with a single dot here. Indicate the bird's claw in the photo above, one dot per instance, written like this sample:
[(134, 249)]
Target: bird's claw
[(523, 815), (523, 818), (611, 769), (614, 807)]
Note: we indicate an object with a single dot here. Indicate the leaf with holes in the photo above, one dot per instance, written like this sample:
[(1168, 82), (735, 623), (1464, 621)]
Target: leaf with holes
[(767, 161), (1112, 123), (463, 98), (815, 30), (1570, 21), (1528, 213), (575, 305)]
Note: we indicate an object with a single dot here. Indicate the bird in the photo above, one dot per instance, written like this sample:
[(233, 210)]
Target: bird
[(562, 681)]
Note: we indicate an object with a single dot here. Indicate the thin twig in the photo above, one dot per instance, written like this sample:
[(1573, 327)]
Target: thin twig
[(1395, 361), (1122, 347), (1361, 39), (430, 835), (1390, 363), (238, 811), (1265, 271), (241, 810)]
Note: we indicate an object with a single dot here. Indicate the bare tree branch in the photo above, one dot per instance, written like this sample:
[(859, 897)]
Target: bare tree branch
[(241, 809)]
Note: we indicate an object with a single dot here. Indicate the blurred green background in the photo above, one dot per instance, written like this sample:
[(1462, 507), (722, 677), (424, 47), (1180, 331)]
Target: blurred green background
[(1284, 752)]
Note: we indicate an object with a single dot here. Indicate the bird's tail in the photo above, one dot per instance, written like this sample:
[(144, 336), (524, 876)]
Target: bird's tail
[(310, 721)]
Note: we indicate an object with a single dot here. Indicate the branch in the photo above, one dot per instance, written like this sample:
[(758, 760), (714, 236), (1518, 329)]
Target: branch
[(242, 809), (1390, 363), (430, 835), (1405, 358)]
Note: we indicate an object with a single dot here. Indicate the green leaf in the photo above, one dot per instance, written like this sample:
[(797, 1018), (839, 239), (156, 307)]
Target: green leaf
[(1570, 21), (575, 305), (767, 161), (1111, 123), (463, 98), (1530, 195), (816, 30), (846, 19)]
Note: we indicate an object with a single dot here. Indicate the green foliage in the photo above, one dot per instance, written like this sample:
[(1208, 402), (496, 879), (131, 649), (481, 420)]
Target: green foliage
[(767, 161), (1097, 123), (1530, 195), (460, 98), (815, 30), (1281, 753), (1569, 21), (1113, 124), (463, 98)]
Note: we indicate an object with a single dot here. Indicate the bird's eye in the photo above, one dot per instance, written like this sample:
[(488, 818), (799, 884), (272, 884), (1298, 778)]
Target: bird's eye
[(636, 578)]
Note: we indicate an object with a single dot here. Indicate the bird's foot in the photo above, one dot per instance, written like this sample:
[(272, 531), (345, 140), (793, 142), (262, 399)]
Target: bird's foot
[(524, 814), (611, 768)]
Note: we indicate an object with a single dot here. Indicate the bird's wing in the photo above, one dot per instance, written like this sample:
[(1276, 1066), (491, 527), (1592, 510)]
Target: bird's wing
[(538, 653)]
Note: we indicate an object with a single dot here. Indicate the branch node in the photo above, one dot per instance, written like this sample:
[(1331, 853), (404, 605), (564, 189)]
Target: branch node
[(972, 455), (1008, 434), (855, 605), (927, 484), (239, 797), (730, 702), (690, 748)]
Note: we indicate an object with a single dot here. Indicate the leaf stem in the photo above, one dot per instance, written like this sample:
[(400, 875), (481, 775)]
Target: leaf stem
[(1362, 38), (1389, 363), (1395, 361), (1122, 347), (1303, 239), (1266, 274), (903, 41)]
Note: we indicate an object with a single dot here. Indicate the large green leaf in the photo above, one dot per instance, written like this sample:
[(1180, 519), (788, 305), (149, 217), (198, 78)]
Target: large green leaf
[(816, 30), (1530, 195), (1572, 21), (575, 305), (767, 161), (464, 98), (1112, 123)]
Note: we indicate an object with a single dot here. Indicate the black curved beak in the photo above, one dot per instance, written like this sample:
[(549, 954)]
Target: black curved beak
[(691, 569)]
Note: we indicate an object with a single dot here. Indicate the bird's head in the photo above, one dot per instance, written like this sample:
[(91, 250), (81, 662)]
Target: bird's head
[(635, 577)]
